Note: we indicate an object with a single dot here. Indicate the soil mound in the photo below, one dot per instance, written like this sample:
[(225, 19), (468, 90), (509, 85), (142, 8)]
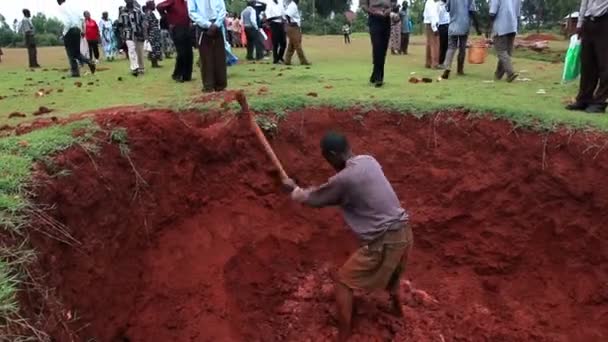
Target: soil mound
[(540, 37), (188, 237)]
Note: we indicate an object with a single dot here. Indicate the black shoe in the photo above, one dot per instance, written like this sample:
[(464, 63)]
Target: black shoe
[(446, 74), (93, 68), (577, 106), (596, 109), (378, 84), (135, 73), (75, 75), (512, 77)]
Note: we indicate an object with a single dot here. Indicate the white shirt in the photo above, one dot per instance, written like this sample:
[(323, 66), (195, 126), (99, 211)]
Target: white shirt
[(293, 13), (71, 15), (431, 14), (444, 15), (275, 10)]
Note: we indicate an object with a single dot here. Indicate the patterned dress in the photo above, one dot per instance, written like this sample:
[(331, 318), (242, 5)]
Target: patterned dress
[(154, 36), (395, 43), (108, 39)]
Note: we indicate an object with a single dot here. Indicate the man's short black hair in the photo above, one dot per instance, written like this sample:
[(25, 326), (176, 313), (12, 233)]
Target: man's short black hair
[(334, 143), (60, 2), (26, 12)]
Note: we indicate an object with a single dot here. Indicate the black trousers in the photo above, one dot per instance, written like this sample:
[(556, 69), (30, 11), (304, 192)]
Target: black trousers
[(254, 42), (279, 41), (32, 52), (182, 38), (405, 42), (594, 62), (380, 33), (347, 39), (71, 41), (93, 49), (213, 61), (443, 42)]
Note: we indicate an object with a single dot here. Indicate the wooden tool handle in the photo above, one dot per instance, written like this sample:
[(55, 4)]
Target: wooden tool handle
[(240, 97)]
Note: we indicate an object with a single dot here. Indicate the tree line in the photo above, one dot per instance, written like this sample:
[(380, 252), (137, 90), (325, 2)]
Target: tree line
[(324, 17)]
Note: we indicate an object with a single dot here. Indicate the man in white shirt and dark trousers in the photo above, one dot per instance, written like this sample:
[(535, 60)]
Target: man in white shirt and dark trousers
[(294, 33), (505, 21), (275, 16), (431, 24), (593, 30), (70, 16), (442, 28), (249, 20)]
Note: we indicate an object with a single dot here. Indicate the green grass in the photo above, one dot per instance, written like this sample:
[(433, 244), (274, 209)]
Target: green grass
[(17, 156), (338, 78)]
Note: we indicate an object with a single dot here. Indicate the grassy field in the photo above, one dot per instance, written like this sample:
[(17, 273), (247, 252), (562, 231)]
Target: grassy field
[(338, 77)]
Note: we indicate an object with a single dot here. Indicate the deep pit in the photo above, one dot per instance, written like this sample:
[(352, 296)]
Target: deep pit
[(191, 239)]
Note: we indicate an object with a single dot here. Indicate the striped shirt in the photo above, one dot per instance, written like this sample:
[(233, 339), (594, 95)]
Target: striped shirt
[(592, 8)]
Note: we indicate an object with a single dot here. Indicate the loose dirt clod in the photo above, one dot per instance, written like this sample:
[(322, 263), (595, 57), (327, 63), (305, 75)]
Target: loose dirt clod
[(279, 74), (78, 84), (16, 115), (42, 110), (312, 94), (91, 83), (119, 79)]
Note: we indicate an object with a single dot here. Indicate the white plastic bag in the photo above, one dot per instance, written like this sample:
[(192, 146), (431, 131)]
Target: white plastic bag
[(84, 47), (263, 34), (147, 46)]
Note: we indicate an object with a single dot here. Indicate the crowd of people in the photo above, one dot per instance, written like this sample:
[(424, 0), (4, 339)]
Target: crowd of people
[(265, 27), (262, 27)]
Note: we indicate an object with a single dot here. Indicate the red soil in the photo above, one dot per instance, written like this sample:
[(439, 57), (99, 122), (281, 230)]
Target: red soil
[(540, 36), (508, 227)]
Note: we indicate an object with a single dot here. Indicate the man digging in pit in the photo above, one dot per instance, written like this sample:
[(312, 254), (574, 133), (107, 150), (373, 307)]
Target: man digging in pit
[(373, 212)]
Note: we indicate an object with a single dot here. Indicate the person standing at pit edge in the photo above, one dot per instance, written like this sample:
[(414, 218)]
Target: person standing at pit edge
[(132, 23), (249, 22), (431, 24), (26, 28), (176, 12), (294, 32), (275, 15), (405, 28), (462, 12), (593, 30), (505, 20), (373, 212), (70, 17), (91, 34), (379, 22), (209, 16)]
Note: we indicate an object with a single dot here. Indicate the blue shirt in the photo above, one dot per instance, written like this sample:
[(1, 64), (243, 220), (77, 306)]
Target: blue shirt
[(507, 14), (405, 21), (206, 12), (460, 19)]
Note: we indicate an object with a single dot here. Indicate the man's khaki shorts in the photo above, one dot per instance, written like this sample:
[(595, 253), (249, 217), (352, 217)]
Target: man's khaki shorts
[(378, 265)]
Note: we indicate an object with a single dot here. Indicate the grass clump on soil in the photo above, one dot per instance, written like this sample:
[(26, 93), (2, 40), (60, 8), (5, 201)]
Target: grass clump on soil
[(17, 157)]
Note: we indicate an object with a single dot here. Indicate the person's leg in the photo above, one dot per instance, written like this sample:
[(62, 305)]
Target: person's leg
[(177, 34), (291, 49), (282, 42), (406, 44), (219, 63), (72, 45), (500, 45), (344, 303), (139, 47), (206, 59), (434, 50), (133, 59), (449, 57), (429, 38), (385, 40), (96, 49), (29, 43), (394, 285), (443, 42), (250, 34), (601, 56), (275, 28), (258, 42), (375, 35), (299, 49), (508, 66), (462, 53)]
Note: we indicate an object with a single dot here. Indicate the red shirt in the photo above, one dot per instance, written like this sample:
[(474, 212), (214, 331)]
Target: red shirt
[(176, 12), (91, 30)]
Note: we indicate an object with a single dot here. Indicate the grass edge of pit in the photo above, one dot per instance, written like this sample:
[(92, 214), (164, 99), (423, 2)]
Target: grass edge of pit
[(21, 152), (18, 154)]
